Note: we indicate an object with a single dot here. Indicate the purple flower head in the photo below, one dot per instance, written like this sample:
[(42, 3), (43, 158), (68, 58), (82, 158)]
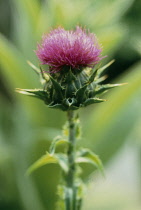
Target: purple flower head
[(74, 49)]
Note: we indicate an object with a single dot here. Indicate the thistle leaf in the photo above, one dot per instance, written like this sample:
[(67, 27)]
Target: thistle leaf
[(56, 106), (102, 88), (92, 77), (61, 142), (100, 70), (48, 158), (38, 93), (62, 161), (57, 142), (45, 159), (57, 87), (87, 156), (80, 93), (70, 76), (101, 79), (93, 100)]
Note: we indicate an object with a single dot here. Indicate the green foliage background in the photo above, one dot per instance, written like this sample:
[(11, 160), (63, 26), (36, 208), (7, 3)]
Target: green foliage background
[(27, 126)]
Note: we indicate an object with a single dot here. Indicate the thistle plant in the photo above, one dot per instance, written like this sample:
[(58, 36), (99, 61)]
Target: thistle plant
[(71, 78)]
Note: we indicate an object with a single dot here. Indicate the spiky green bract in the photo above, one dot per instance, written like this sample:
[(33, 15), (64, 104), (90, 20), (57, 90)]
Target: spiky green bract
[(70, 90)]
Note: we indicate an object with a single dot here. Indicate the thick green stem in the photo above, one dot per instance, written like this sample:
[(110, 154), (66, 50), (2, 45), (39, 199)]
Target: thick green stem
[(70, 179)]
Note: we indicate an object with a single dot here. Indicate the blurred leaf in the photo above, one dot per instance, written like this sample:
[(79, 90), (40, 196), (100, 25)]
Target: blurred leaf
[(111, 123), (18, 74), (16, 70), (25, 18), (57, 142), (136, 44), (46, 159), (30, 9), (35, 68), (87, 156), (111, 38), (110, 14), (61, 159)]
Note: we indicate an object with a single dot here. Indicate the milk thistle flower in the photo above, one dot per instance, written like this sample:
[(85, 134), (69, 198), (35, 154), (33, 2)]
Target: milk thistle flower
[(61, 49), (72, 82)]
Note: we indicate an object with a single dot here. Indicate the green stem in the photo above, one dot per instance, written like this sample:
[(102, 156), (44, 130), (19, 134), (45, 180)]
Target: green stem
[(70, 179)]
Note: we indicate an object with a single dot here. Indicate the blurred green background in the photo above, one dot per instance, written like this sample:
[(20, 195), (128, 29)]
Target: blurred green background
[(111, 129)]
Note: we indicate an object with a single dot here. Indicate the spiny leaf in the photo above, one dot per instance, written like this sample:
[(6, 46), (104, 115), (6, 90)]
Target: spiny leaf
[(101, 79), (70, 76), (80, 93), (57, 88), (100, 70), (93, 100), (87, 156), (39, 93), (92, 77), (102, 88)]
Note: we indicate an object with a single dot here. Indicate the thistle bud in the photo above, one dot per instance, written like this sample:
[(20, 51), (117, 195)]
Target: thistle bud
[(70, 91)]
